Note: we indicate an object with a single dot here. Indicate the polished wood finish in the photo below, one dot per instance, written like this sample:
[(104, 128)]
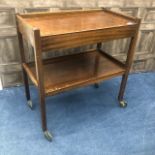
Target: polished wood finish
[(65, 23), (89, 67), (128, 63), (84, 38), (23, 60), (40, 76), (77, 28), (68, 29)]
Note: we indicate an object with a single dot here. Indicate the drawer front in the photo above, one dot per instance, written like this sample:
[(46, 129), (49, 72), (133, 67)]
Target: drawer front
[(84, 38)]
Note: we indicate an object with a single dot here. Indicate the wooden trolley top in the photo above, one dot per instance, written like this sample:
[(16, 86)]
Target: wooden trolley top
[(75, 21), (57, 29)]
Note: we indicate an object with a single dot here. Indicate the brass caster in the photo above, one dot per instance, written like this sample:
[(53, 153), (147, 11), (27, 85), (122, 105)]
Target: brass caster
[(96, 85), (123, 104), (48, 135), (29, 102)]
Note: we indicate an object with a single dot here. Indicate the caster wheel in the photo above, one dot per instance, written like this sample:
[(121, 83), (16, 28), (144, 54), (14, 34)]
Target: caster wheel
[(29, 102), (96, 85), (123, 104), (48, 135)]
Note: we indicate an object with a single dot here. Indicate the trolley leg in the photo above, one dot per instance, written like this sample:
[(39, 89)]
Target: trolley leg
[(40, 77), (27, 90), (47, 134), (96, 85), (25, 77), (122, 102), (98, 46), (128, 64)]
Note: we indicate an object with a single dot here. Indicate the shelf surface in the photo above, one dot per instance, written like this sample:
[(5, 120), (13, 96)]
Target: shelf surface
[(76, 70), (71, 22)]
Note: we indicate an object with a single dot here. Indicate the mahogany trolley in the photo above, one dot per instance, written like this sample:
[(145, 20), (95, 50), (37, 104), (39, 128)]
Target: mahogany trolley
[(69, 29)]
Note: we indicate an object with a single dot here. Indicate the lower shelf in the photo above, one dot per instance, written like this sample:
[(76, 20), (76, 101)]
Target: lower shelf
[(76, 70)]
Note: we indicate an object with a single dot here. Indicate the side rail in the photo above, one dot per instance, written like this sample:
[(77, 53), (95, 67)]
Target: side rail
[(26, 30)]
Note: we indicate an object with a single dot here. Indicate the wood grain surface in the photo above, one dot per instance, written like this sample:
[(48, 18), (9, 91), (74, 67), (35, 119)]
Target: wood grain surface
[(68, 72), (67, 22)]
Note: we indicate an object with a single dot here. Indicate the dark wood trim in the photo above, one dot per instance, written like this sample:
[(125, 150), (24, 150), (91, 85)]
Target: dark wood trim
[(128, 63), (40, 77), (23, 60)]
